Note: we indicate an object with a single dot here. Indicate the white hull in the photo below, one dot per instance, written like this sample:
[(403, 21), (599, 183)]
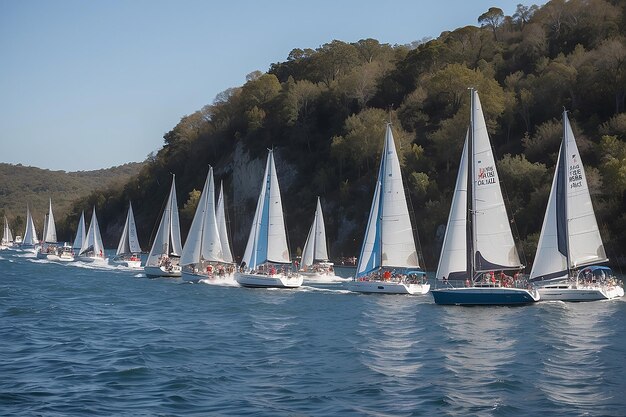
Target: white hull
[(55, 257), (226, 279), (4, 247), (161, 271), (268, 281), (91, 259), (322, 278), (388, 287), (584, 293), (126, 263)]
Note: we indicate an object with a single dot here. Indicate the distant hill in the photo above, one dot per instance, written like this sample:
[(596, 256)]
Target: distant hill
[(21, 185)]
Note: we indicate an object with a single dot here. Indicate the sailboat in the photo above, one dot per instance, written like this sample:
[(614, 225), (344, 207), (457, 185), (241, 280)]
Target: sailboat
[(388, 262), (315, 266), (266, 261), (7, 237), (128, 249), (478, 246), (570, 245), (202, 256), (80, 233), (48, 248), (164, 257), (92, 249), (30, 241)]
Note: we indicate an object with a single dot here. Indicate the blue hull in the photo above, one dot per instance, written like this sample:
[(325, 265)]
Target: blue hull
[(480, 296)]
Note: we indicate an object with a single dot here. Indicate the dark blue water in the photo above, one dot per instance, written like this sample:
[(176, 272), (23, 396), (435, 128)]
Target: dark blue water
[(84, 341)]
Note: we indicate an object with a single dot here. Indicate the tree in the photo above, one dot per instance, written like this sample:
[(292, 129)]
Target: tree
[(523, 14), (492, 18)]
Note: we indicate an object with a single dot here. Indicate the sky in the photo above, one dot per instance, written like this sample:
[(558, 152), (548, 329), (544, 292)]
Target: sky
[(87, 85)]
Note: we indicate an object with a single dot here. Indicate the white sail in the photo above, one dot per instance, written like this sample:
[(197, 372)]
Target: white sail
[(585, 242), (220, 215), (315, 247), (129, 242), (389, 237), (268, 238), (370, 251), (494, 246), (7, 237), (398, 243), (549, 262), (30, 234), (203, 240), (167, 240), (569, 226), (50, 231), (93, 239), (453, 259), (80, 233)]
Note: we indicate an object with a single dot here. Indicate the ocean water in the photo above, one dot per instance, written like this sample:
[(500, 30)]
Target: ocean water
[(79, 340)]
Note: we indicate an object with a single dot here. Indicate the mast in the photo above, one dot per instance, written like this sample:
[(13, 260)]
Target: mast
[(469, 226), (564, 184)]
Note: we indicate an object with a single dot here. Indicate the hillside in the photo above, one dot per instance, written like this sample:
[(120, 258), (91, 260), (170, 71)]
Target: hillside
[(323, 111), (21, 185)]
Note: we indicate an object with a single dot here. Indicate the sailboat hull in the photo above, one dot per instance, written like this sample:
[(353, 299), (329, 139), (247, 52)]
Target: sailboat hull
[(268, 281), (126, 263), (387, 287), (572, 293), (477, 296), (160, 271)]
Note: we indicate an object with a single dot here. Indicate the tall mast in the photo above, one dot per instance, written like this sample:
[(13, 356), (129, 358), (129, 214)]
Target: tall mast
[(564, 185), (469, 225)]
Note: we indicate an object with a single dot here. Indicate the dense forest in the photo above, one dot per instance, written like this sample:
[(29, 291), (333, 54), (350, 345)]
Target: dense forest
[(324, 110), (21, 185)]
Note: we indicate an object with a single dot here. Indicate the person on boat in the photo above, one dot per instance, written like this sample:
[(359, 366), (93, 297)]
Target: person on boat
[(467, 282), (387, 275), (272, 270), (242, 266)]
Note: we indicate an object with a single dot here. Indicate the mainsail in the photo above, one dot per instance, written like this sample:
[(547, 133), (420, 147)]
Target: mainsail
[(203, 240), (30, 234), (93, 239), (268, 238), (7, 237), (167, 240), (80, 233), (50, 231), (129, 242), (315, 248), (220, 214)]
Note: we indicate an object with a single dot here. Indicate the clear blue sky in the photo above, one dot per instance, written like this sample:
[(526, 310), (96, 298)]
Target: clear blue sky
[(92, 84)]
